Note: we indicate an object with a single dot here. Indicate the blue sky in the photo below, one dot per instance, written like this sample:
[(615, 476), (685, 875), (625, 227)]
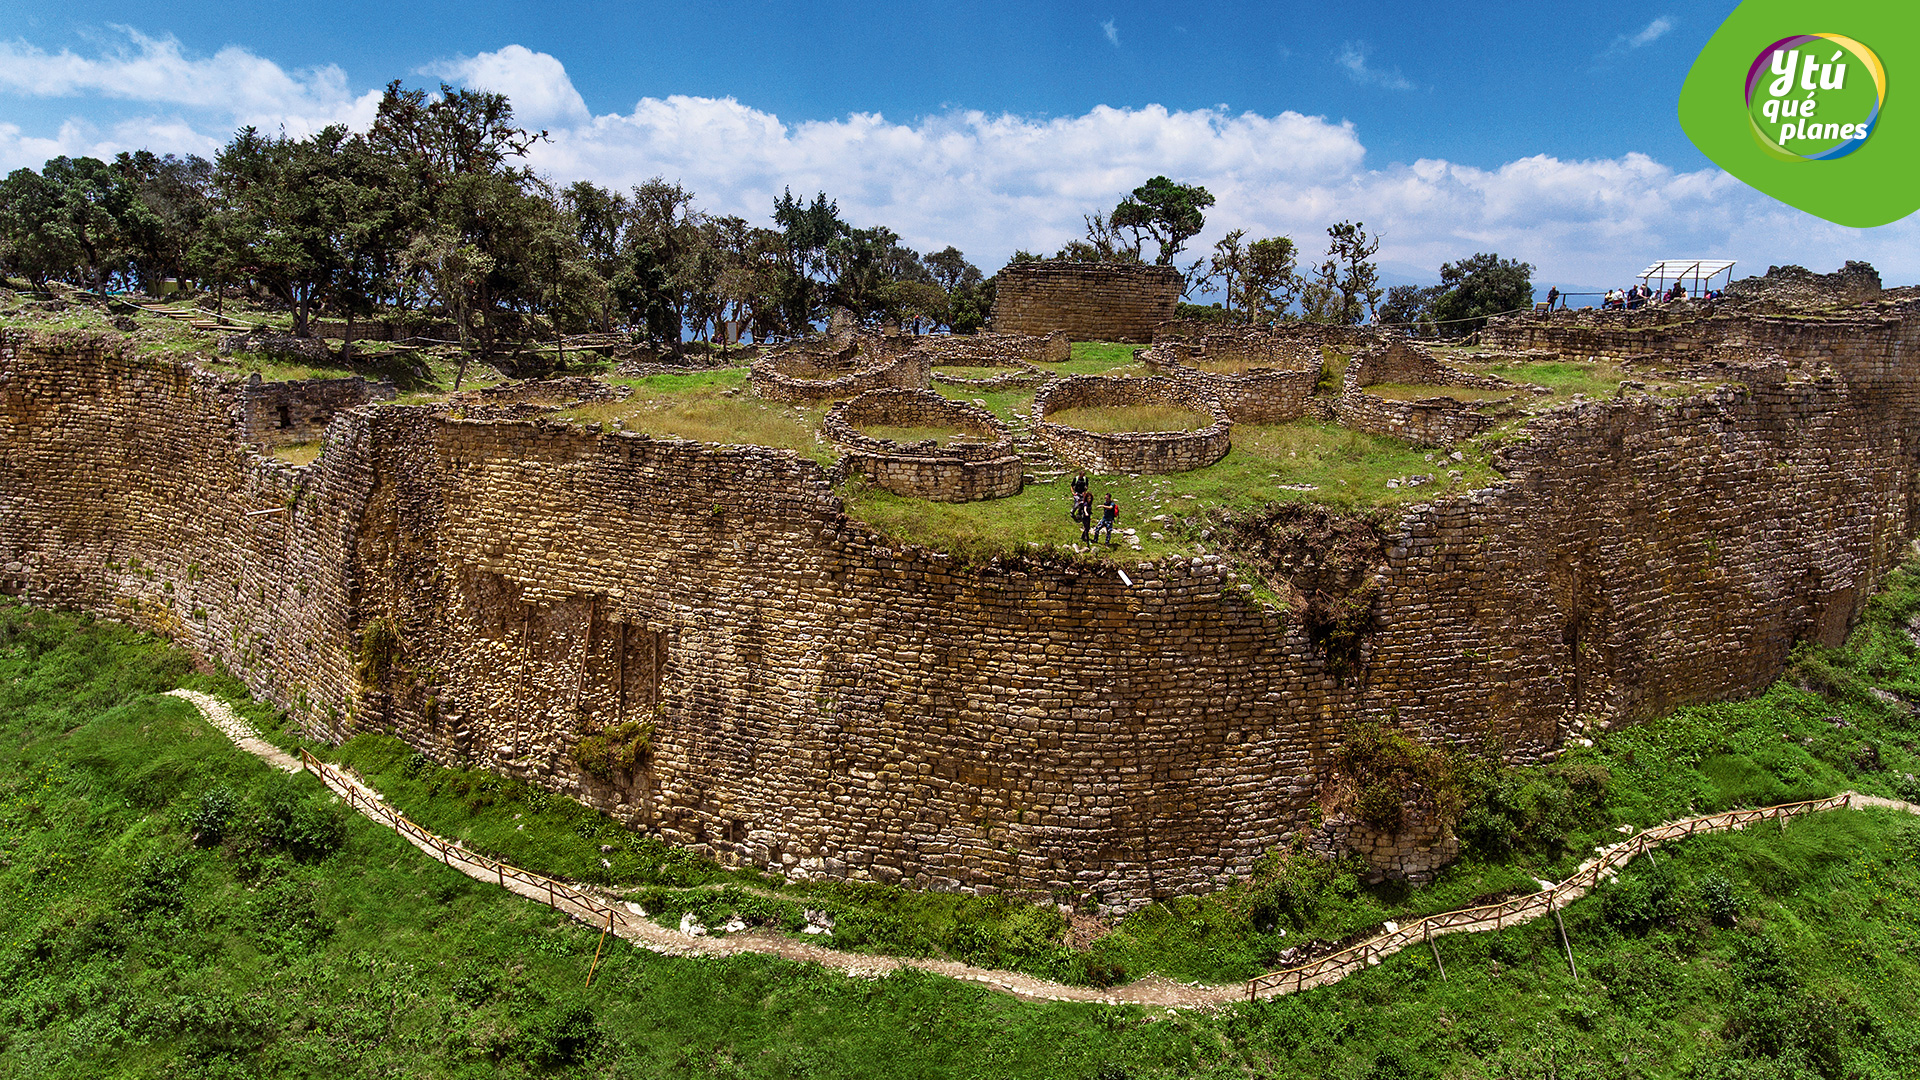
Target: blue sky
[(1546, 134)]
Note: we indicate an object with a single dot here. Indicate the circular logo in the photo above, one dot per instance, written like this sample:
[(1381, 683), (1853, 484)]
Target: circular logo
[(1814, 97)]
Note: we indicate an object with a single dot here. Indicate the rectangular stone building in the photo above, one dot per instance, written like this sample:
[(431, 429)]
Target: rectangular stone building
[(1090, 301)]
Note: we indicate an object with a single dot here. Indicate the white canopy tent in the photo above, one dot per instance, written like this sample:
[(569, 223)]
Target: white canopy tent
[(1702, 271)]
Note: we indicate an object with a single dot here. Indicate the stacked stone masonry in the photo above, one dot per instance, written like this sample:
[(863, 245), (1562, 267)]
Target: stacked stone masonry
[(962, 471), (284, 413), (1261, 396), (1132, 451), (1086, 301), (826, 702), (1433, 420)]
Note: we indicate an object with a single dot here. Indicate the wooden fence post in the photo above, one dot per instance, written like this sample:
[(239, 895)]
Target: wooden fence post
[(1436, 955), (1564, 943), (597, 948)]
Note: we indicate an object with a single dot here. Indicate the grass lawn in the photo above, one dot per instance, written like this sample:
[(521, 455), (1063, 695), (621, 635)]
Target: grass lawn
[(1128, 418), (1303, 460), (713, 406)]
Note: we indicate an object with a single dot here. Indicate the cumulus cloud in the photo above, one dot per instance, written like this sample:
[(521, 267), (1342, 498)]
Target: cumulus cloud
[(1353, 59), (535, 82), (992, 182), (239, 84)]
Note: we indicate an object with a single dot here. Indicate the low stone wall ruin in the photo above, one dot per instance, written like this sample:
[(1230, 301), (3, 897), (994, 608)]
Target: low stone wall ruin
[(1261, 396), (1430, 421), (1400, 361), (1133, 451), (284, 413), (868, 367), (957, 472), (1086, 301)]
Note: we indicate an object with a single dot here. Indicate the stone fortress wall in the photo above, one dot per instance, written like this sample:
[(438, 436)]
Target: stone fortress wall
[(825, 702), (1086, 301)]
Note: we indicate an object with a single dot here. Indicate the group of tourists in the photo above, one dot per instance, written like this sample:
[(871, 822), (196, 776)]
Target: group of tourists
[(1640, 296), (1083, 511)]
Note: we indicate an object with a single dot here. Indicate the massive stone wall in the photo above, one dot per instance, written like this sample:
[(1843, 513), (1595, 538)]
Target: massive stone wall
[(827, 702), (1087, 301)]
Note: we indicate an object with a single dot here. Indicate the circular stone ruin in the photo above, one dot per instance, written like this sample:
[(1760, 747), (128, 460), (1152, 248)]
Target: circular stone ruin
[(1131, 451), (800, 375), (1012, 357), (981, 464)]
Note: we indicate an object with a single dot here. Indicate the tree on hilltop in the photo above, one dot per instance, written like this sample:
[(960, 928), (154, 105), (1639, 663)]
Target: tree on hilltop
[(1481, 286), (1170, 213)]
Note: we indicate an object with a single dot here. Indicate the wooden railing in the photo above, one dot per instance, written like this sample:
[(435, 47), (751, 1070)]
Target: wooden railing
[(555, 894), (1336, 966)]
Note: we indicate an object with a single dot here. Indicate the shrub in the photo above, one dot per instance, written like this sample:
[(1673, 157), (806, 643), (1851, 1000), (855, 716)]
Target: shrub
[(213, 816), (1290, 886), (156, 887), (307, 827), (615, 751), (1718, 897), (380, 646), (561, 1036)]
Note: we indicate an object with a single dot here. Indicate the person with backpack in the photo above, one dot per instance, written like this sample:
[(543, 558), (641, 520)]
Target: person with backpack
[(1083, 512), (1109, 513)]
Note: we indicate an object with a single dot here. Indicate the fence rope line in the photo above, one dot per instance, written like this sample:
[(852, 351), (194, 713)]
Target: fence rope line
[(1154, 991)]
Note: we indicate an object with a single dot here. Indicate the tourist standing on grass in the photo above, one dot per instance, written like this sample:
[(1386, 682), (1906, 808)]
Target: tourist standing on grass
[(1109, 513), (1080, 488), (1083, 513)]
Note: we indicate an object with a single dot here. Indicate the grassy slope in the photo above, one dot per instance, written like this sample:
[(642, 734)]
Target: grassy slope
[(126, 949)]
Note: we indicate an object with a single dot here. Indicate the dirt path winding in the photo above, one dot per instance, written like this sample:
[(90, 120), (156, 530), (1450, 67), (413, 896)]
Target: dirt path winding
[(626, 921)]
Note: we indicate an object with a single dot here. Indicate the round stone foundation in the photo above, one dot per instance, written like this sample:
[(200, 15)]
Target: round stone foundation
[(963, 471), (1131, 451)]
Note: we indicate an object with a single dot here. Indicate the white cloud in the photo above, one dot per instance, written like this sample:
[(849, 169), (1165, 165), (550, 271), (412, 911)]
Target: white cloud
[(1648, 34), (1353, 57), (248, 89), (1654, 31), (535, 82), (990, 183), (1113, 33)]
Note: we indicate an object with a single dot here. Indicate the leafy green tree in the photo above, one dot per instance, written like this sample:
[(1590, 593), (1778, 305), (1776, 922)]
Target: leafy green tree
[(178, 195), (1170, 213), (667, 265), (969, 295), (599, 219), (1320, 298), (1269, 282), (472, 213), (1105, 243), (1357, 279), (76, 218), (1481, 286), (807, 229), (1227, 268), (287, 210), (1409, 305)]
